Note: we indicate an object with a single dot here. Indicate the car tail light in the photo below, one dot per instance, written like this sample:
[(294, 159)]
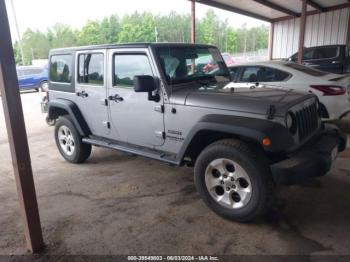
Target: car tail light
[(330, 90)]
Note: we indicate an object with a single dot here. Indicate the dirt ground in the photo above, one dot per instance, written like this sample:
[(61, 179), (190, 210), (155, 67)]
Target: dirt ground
[(121, 204)]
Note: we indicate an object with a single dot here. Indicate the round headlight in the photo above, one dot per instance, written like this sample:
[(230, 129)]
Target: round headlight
[(291, 122)]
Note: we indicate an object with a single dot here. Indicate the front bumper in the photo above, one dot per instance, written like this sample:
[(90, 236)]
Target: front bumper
[(312, 160)]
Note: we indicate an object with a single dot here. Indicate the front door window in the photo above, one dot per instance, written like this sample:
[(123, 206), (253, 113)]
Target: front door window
[(127, 66)]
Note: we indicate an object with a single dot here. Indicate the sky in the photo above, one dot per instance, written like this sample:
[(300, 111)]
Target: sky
[(42, 14)]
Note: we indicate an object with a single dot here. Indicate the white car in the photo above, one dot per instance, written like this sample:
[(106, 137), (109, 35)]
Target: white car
[(332, 90)]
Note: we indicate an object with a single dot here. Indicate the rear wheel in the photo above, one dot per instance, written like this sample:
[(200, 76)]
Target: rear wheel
[(234, 180), (50, 122), (69, 142)]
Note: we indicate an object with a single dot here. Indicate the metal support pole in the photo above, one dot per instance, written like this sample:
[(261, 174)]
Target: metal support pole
[(302, 31), (18, 138), (271, 36), (193, 21), (348, 33)]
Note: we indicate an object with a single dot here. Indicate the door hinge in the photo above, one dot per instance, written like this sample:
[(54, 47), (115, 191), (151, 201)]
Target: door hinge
[(103, 102), (160, 134), (159, 108), (107, 124)]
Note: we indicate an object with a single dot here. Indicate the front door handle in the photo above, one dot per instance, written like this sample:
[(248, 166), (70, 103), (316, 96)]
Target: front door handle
[(116, 98), (82, 94)]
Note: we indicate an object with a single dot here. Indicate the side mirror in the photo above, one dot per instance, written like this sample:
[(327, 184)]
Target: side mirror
[(147, 84)]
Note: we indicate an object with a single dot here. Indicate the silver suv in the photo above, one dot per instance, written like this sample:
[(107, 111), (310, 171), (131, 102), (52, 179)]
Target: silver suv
[(155, 100)]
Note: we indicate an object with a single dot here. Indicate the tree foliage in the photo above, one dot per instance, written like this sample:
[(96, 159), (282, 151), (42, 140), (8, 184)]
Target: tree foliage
[(143, 27)]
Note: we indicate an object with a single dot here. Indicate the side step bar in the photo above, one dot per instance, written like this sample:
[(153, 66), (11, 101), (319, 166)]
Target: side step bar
[(141, 151)]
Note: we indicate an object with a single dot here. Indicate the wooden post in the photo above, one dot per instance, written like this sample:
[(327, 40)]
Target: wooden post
[(193, 21), (18, 138), (302, 31), (271, 35)]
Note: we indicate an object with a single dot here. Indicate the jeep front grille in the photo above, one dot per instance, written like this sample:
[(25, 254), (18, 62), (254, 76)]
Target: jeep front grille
[(307, 119)]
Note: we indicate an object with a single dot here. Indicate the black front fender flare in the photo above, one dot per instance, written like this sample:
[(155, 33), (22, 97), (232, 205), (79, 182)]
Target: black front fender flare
[(253, 129)]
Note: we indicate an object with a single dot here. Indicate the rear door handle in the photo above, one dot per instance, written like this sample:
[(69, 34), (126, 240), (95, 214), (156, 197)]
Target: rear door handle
[(82, 94), (116, 98)]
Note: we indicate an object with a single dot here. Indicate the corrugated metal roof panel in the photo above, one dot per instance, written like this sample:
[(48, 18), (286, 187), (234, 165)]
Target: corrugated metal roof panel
[(256, 8), (327, 28), (253, 7), (293, 5)]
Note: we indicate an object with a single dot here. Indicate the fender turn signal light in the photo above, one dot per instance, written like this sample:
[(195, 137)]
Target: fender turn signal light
[(266, 142)]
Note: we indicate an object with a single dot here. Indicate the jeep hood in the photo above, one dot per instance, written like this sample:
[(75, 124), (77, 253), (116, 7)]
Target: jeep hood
[(257, 100)]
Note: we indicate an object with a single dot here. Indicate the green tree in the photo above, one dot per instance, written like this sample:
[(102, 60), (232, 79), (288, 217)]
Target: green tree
[(90, 34), (173, 28), (206, 28), (61, 36), (137, 28), (35, 46), (109, 29), (17, 53), (231, 40), (142, 27)]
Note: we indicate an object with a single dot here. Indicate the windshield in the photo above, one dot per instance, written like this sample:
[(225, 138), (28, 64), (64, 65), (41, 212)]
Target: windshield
[(183, 64)]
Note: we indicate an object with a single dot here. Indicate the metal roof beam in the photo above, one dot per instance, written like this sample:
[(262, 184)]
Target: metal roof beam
[(315, 5), (277, 7), (313, 12), (234, 9)]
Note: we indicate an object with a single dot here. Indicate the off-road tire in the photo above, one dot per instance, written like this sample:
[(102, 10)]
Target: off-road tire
[(253, 161), (81, 151), (50, 122)]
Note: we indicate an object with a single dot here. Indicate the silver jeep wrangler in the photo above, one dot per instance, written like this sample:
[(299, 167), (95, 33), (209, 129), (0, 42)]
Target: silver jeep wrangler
[(159, 101)]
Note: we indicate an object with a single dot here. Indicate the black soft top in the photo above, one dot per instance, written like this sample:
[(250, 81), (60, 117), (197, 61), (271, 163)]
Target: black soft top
[(124, 45)]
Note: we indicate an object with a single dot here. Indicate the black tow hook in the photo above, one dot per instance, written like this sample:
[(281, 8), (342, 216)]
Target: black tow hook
[(271, 111)]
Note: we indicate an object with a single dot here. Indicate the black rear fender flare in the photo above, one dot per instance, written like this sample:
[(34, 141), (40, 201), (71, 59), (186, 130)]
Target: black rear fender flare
[(59, 107)]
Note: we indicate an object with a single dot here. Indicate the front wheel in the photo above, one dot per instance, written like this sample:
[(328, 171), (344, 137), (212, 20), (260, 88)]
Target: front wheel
[(69, 142), (234, 180)]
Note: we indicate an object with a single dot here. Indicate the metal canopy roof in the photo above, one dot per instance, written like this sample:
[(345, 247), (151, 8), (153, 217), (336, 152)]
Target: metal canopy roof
[(275, 10)]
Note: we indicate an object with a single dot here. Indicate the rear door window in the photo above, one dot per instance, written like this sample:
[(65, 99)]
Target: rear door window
[(325, 52), (61, 68), (250, 74), (263, 74), (91, 69), (268, 74)]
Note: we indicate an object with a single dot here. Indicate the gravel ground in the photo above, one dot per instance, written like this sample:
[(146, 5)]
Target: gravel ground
[(121, 204)]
